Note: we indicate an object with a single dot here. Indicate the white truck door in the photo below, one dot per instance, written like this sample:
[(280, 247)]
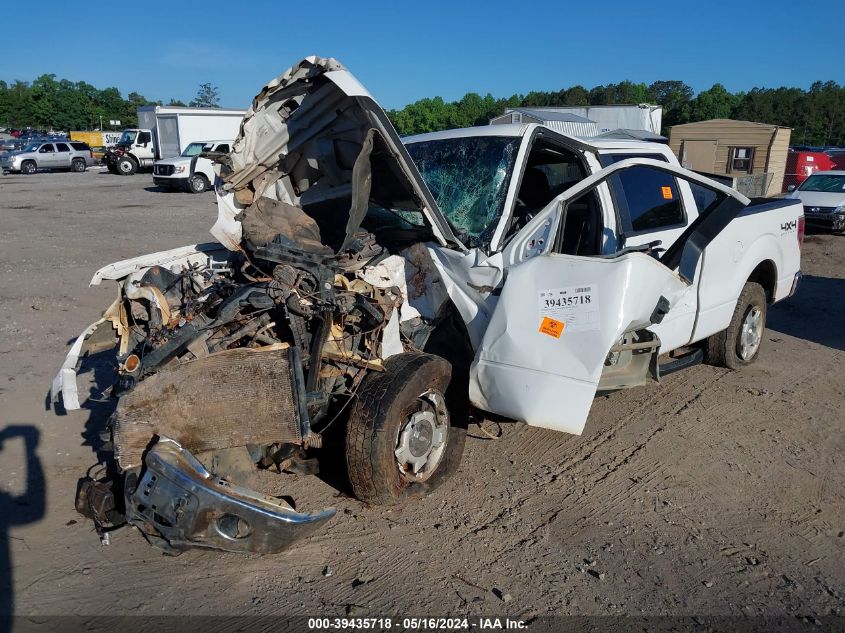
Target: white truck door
[(559, 316)]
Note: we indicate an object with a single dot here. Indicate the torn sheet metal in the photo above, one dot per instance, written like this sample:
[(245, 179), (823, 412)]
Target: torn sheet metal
[(209, 255), (64, 382), (178, 504), (315, 138), (414, 273)]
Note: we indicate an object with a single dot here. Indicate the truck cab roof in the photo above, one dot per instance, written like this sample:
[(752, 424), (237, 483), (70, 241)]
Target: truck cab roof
[(527, 129)]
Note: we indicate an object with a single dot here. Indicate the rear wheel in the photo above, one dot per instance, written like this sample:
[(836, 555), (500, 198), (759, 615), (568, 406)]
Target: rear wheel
[(28, 167), (77, 165), (126, 166), (739, 344), (404, 438), (197, 183)]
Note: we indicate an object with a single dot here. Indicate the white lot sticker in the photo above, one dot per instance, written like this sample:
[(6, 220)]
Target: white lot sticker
[(576, 306)]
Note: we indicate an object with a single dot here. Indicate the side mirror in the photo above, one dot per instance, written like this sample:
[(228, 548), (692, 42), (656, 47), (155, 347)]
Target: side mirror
[(790, 188)]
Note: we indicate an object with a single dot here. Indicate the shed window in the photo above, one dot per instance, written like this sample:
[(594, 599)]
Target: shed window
[(742, 160), (516, 117)]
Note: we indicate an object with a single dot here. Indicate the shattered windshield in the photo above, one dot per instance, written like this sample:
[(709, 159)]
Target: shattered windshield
[(469, 180)]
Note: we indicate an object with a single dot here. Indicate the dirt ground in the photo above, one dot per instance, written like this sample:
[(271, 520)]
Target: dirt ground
[(712, 493)]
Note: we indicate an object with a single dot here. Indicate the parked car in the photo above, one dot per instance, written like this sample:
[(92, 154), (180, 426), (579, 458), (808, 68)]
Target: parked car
[(11, 145), (192, 171), (823, 197), (382, 291), (37, 155)]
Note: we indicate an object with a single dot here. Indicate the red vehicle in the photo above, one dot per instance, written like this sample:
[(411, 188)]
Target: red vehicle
[(800, 164)]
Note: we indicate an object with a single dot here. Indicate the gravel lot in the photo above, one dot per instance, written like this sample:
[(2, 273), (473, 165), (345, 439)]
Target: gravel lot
[(713, 493)]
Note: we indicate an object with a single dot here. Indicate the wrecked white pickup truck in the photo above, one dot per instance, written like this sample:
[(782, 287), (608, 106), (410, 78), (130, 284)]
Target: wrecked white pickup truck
[(387, 292)]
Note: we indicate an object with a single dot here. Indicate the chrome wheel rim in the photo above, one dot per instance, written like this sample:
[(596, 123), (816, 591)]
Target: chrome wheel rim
[(751, 333), (421, 441)]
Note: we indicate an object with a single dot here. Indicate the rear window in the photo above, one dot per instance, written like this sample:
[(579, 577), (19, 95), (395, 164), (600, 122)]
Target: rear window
[(80, 147)]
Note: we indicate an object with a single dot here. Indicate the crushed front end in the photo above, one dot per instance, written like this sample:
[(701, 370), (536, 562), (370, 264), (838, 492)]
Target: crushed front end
[(245, 351)]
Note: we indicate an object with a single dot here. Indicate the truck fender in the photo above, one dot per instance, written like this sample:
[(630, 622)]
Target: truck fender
[(759, 261)]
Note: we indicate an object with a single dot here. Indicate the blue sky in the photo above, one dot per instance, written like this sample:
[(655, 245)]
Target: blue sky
[(403, 51)]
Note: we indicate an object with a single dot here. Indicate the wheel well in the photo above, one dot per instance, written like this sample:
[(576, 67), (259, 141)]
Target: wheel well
[(766, 275)]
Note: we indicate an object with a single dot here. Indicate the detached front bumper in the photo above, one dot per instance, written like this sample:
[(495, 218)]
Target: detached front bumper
[(178, 504)]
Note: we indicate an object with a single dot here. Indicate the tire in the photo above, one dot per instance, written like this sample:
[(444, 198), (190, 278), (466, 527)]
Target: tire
[(197, 183), (126, 166), (739, 345), (77, 165), (28, 167), (393, 410)]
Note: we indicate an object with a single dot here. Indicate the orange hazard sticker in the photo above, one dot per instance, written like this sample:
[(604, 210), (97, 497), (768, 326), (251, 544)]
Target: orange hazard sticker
[(667, 192), (552, 327)]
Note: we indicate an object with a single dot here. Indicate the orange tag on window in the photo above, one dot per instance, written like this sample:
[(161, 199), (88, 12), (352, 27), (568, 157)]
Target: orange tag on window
[(551, 327), (667, 193)]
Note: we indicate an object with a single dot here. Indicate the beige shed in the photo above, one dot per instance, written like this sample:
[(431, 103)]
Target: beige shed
[(753, 154)]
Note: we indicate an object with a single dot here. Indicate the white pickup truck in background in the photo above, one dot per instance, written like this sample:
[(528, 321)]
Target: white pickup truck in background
[(192, 171)]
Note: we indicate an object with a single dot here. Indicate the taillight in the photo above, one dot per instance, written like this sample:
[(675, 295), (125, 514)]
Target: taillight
[(800, 232), (90, 153)]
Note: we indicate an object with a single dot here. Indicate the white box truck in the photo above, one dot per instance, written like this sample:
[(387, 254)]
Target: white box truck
[(165, 131)]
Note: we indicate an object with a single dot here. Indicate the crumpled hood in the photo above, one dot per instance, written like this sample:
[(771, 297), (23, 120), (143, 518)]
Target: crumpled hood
[(315, 140)]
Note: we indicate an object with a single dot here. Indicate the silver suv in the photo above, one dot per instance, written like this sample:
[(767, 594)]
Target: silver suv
[(51, 154)]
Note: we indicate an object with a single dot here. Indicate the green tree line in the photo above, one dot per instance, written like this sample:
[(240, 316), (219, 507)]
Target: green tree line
[(817, 115), (60, 104)]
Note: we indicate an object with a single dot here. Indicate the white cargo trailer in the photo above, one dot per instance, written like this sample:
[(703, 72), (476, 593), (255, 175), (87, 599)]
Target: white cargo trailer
[(165, 132)]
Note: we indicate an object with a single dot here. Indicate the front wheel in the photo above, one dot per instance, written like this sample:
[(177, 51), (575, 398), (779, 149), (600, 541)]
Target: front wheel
[(403, 437), (197, 183), (739, 345), (126, 166), (28, 167), (77, 165)]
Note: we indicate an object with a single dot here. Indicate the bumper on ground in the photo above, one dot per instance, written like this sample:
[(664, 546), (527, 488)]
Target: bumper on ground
[(178, 504)]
